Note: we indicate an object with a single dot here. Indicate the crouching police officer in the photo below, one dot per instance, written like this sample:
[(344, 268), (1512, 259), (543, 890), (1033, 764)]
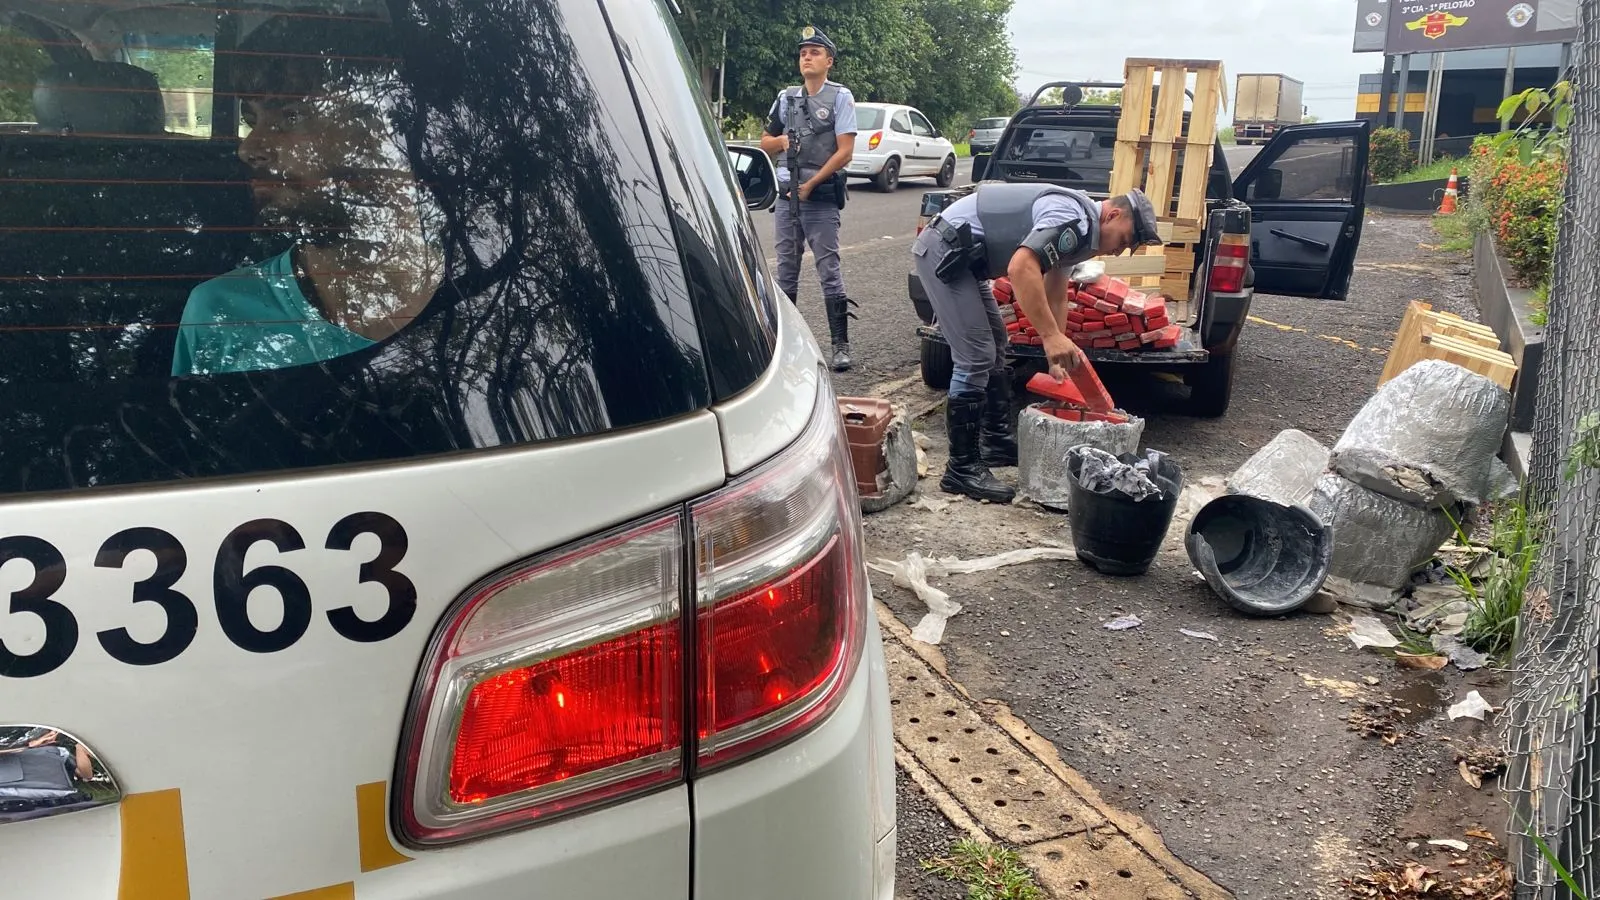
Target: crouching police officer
[(811, 131), (1034, 234)]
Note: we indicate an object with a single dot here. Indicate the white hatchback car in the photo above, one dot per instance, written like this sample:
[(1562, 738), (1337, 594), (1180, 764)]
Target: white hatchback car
[(895, 142), (398, 503)]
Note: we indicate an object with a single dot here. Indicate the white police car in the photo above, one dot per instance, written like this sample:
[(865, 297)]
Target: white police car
[(412, 483)]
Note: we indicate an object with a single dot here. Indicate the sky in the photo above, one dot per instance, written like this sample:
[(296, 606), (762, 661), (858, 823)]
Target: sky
[(1080, 40)]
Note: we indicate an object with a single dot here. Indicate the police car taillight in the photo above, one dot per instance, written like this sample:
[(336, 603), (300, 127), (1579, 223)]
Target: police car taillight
[(781, 596), (1228, 263), (605, 670)]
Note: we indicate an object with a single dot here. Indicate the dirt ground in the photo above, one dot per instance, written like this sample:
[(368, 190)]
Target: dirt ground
[(1239, 751)]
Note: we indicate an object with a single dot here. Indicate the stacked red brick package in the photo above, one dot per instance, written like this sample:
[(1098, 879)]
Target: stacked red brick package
[(1104, 315)]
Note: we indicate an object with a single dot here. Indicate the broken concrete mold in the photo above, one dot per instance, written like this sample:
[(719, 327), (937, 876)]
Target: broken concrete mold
[(1262, 558), (883, 451), (1044, 441), (1284, 471), (1428, 437), (1378, 541)]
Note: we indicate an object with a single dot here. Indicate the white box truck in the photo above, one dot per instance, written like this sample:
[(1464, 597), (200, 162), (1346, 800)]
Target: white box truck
[(1264, 103)]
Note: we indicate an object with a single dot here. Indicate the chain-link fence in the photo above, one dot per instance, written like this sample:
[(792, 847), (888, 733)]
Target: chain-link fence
[(1554, 715)]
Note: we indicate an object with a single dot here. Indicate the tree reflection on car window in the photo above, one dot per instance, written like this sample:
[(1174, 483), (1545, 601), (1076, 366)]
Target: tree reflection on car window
[(328, 175)]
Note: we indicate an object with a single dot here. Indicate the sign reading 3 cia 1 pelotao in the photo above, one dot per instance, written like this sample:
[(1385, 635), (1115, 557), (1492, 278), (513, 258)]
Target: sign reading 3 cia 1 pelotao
[(1429, 26)]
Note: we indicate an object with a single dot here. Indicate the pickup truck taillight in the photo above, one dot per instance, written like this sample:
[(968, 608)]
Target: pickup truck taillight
[(875, 140), (565, 682), (1228, 264)]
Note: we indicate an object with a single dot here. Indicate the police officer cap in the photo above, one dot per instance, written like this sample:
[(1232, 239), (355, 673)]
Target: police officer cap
[(812, 36), (1144, 218)]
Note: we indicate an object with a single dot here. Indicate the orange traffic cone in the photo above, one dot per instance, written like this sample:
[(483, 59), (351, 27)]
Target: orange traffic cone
[(1448, 207)]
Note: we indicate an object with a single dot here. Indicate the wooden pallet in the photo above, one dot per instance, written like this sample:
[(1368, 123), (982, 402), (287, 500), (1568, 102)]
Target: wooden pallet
[(1152, 141), (1425, 334)]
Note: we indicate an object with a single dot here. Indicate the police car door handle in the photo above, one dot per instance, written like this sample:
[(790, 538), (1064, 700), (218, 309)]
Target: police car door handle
[(1300, 239), (45, 772)]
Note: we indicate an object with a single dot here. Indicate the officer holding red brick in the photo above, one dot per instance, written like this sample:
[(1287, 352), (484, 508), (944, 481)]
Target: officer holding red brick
[(1033, 235)]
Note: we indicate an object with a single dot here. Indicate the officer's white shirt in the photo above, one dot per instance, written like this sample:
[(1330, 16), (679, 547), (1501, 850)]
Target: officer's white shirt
[(1049, 211)]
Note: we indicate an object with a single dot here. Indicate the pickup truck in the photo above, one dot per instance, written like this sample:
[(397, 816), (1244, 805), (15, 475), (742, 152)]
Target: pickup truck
[(1289, 225)]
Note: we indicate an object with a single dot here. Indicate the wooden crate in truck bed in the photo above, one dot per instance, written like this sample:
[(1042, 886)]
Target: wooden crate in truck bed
[(1153, 143)]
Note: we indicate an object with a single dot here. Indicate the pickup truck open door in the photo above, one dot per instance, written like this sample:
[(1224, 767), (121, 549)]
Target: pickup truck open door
[(1307, 194)]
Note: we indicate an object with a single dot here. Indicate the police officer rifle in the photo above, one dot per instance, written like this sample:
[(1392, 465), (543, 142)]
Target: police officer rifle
[(797, 113)]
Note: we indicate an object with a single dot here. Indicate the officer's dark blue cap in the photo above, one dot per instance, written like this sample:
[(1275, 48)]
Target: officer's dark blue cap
[(813, 36)]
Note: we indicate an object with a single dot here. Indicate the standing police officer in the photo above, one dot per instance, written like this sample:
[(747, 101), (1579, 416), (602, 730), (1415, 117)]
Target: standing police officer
[(1035, 234), (820, 116)]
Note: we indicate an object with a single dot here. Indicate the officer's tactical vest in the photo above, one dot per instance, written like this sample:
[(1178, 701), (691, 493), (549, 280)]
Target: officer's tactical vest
[(817, 138), (1005, 212)]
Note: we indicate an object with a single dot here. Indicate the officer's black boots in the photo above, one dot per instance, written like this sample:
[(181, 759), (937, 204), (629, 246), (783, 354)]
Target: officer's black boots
[(966, 473), (839, 316), (999, 435)]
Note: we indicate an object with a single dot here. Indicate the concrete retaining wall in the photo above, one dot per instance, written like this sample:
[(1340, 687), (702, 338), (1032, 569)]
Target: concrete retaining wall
[(1509, 311), (1411, 198)]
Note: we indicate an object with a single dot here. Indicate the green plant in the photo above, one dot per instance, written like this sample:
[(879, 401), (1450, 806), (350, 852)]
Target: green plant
[(1555, 863), (989, 871), (1540, 303), (1227, 137), (1585, 449), (1538, 107), (1455, 231), (1390, 153), (1495, 619), (1437, 170)]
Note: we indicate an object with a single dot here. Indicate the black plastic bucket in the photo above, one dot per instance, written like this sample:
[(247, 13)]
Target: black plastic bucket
[(1263, 558), (1115, 533)]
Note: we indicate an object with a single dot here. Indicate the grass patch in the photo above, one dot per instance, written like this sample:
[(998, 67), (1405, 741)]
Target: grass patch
[(1226, 136), (989, 871), (1434, 171), (963, 150), (1541, 304), (1455, 233), (1496, 599)]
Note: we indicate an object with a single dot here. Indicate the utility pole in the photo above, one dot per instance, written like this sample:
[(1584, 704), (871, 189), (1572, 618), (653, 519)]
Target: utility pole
[(1405, 85), (722, 70), (1511, 80)]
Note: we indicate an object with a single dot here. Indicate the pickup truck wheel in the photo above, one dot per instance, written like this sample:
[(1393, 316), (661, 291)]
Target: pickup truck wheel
[(937, 364), (947, 172), (1211, 387), (889, 178)]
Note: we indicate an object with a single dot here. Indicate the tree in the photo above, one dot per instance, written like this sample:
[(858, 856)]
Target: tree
[(889, 51), (1102, 97), (1310, 120), (21, 60)]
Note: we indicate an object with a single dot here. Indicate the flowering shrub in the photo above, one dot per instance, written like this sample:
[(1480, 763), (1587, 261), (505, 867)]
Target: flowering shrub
[(1519, 202)]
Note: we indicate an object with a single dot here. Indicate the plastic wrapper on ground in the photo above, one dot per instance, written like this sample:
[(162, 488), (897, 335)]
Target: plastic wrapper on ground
[(1428, 437), (1378, 541), (1044, 443), (1133, 478), (1284, 471)]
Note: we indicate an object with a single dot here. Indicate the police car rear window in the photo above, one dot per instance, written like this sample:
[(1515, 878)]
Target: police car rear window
[(254, 239)]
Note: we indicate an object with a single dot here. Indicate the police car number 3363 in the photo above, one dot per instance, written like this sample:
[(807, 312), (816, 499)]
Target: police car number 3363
[(232, 588)]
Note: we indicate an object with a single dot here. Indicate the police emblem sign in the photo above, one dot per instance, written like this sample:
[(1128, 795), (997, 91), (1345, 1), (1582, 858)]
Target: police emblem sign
[(1429, 26)]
